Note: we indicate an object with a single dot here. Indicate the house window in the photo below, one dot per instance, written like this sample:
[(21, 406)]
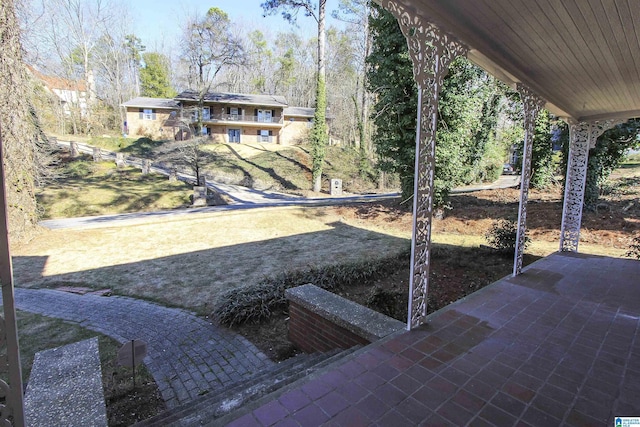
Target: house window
[(204, 131), (206, 113), (265, 135), (234, 135), (234, 112), (148, 114), (265, 116), (309, 122)]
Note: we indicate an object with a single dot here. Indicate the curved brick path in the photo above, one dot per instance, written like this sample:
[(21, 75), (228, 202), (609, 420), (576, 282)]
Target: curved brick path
[(186, 355)]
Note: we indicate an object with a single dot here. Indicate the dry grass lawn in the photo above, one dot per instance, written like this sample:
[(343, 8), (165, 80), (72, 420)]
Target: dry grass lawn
[(188, 262)]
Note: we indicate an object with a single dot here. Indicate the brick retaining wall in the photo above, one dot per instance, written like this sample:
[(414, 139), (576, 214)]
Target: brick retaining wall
[(311, 332), (321, 321)]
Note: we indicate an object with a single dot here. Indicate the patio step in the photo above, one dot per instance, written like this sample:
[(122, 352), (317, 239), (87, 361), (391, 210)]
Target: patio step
[(210, 407), (65, 387)]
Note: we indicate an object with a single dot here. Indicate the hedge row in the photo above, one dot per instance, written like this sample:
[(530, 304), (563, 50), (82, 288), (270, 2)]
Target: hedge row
[(258, 301)]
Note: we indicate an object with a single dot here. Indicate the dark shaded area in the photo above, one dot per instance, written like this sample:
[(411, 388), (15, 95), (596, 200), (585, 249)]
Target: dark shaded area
[(142, 147), (455, 272)]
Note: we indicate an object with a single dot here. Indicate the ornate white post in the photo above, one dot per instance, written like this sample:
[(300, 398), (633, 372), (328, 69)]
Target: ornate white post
[(582, 137), (431, 51), (532, 106), (9, 362)]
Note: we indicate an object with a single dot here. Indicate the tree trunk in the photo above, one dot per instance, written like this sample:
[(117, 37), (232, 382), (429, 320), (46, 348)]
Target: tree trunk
[(319, 126), (322, 39), (364, 112)]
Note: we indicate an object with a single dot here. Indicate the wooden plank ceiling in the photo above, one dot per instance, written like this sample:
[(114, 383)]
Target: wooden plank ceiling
[(581, 56)]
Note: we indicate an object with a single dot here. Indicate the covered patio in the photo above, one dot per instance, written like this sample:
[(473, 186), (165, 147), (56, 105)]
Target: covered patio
[(557, 345)]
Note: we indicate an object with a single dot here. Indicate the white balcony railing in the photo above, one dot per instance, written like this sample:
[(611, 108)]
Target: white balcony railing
[(244, 118)]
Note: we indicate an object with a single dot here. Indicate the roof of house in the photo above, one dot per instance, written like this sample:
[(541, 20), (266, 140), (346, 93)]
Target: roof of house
[(299, 112), (234, 98), (53, 82), (304, 112), (145, 102)]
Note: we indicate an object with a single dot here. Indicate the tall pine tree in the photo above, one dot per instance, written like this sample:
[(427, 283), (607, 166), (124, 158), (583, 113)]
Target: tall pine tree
[(154, 76), (319, 132)]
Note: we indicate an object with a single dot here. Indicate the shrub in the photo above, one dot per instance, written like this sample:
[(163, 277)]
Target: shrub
[(502, 236), (249, 303), (634, 249), (259, 301)]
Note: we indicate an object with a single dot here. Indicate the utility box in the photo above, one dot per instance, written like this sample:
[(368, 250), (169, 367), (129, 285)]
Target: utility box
[(336, 187)]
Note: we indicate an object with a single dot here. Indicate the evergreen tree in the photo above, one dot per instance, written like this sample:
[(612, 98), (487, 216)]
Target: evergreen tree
[(24, 146), (468, 108), (542, 167), (154, 76), (390, 77), (607, 155)]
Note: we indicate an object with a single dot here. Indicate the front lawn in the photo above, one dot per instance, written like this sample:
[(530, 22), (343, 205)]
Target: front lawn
[(189, 261), (85, 188)]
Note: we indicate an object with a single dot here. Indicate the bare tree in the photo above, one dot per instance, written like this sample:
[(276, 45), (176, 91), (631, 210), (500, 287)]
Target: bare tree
[(289, 10), (87, 43), (356, 14), (208, 46)]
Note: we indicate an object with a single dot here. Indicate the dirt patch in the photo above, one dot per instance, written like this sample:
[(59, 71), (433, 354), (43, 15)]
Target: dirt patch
[(270, 336)]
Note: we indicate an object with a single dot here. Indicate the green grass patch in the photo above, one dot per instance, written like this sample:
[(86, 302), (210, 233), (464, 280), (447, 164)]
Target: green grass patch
[(87, 188), (138, 147)]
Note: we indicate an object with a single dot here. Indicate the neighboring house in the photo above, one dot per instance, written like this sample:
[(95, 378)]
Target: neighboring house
[(297, 122), (71, 94), (225, 117), (234, 117), (153, 118)]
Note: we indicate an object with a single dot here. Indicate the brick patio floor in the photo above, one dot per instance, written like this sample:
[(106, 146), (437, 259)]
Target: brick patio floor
[(558, 345)]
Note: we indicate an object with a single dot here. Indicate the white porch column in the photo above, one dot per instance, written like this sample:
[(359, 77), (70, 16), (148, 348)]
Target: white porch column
[(532, 106), (582, 137), (9, 362), (431, 51)]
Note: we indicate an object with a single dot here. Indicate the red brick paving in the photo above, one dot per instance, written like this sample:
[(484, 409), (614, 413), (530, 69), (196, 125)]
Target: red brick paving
[(559, 344)]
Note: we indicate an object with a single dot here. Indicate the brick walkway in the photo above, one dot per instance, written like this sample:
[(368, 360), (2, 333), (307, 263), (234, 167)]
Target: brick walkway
[(558, 345), (186, 355)]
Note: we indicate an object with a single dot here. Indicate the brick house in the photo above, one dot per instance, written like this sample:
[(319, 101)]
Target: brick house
[(225, 117), (152, 117)]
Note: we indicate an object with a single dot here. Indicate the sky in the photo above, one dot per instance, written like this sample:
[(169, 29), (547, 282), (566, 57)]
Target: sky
[(157, 22)]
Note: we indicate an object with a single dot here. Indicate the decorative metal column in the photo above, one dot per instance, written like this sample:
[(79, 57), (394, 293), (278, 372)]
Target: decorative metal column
[(9, 358), (431, 51), (582, 137), (532, 106)]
